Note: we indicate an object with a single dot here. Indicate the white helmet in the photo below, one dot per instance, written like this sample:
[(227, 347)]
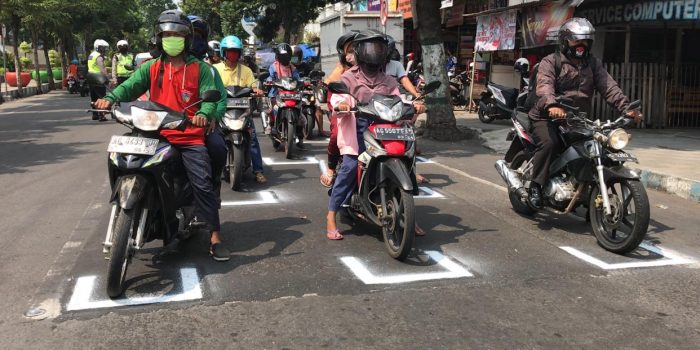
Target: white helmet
[(522, 65), (100, 43), (121, 43)]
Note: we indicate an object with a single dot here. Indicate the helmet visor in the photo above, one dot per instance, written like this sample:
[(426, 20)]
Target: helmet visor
[(173, 27), (373, 52), (284, 58)]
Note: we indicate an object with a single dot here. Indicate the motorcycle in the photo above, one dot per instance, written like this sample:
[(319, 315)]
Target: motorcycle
[(151, 196), (236, 127), (459, 84), (589, 173), (72, 85), (499, 102), (386, 174), (289, 123), (308, 101)]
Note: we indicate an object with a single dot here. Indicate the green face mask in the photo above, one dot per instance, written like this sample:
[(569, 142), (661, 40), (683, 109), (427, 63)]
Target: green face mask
[(173, 45)]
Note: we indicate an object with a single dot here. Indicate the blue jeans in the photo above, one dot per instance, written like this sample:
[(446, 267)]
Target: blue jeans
[(255, 152), (346, 178), (198, 169)]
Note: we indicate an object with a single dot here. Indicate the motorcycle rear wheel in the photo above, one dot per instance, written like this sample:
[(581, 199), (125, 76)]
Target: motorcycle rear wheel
[(485, 118), (518, 206), (235, 166), (400, 234), (120, 252), (617, 233), (290, 142), (310, 125)]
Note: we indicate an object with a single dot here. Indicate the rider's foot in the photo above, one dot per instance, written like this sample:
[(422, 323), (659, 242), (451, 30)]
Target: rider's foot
[(535, 198), (219, 252), (268, 130), (260, 178)]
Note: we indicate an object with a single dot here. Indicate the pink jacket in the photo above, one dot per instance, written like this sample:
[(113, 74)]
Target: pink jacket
[(347, 127)]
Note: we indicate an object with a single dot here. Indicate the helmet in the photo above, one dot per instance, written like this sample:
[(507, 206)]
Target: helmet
[(342, 41), (371, 49), (100, 45), (410, 56), (249, 53), (575, 29), (122, 43), (230, 42), (283, 53), (173, 21), (522, 66), (74, 61), (200, 35), (215, 45), (298, 53)]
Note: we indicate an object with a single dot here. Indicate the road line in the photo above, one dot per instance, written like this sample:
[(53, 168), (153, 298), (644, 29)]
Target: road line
[(671, 258), (266, 197), (429, 193), (325, 141), (307, 160), (453, 271), (477, 179)]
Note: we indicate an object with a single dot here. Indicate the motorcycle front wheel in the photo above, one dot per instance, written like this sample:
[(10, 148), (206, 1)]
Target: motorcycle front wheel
[(400, 233), (235, 166), (120, 252), (623, 230), (290, 131), (310, 125), (485, 118)]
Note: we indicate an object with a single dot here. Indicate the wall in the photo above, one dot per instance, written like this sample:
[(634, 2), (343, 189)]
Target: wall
[(505, 75)]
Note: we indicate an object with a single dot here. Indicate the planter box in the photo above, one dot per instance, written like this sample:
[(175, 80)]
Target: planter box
[(11, 77), (43, 74), (57, 73)]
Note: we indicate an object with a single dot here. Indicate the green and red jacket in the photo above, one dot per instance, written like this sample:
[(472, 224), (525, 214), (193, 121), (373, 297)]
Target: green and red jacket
[(174, 88)]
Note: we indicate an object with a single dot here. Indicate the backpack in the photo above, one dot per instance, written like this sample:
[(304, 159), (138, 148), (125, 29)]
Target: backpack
[(532, 97)]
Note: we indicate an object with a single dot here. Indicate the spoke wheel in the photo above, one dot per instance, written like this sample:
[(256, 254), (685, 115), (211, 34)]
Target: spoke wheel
[(623, 230)]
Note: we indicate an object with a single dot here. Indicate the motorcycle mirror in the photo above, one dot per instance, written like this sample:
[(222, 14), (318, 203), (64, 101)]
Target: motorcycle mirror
[(97, 79), (263, 75), (431, 86), (338, 87), (211, 96)]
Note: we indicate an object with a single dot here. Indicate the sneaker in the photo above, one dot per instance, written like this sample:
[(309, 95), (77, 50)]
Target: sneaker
[(260, 178), (219, 252), (535, 198)]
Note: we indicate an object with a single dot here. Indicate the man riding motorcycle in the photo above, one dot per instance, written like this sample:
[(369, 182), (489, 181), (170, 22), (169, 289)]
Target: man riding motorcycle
[(580, 74), (177, 80)]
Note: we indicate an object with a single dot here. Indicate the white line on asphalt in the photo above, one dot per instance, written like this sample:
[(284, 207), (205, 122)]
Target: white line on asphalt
[(424, 160), (672, 258), (429, 193), (324, 141), (84, 288), (477, 179), (307, 160), (453, 271), (266, 197)]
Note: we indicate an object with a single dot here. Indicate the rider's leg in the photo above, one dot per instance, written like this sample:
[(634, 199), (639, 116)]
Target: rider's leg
[(342, 189), (256, 156), (216, 146), (546, 138)]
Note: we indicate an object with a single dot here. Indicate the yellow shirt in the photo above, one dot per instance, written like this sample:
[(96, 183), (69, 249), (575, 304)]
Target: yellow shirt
[(230, 76)]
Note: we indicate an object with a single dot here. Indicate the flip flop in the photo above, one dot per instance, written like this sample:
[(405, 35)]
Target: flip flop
[(327, 180), (334, 235), (422, 179)]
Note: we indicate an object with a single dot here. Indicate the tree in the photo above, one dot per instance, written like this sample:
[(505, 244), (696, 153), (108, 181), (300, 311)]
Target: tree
[(9, 13), (441, 124)]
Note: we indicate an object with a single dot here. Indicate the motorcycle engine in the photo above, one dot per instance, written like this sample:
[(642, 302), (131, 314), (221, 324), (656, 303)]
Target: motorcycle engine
[(560, 190)]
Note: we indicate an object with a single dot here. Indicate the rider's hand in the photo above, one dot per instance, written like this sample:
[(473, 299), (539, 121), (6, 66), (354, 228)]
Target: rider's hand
[(343, 107), (420, 107), (199, 120), (636, 115), (257, 91), (102, 104), (557, 113)]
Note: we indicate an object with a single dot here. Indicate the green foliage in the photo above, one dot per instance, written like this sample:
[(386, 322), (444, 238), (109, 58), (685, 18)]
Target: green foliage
[(25, 48), (54, 59), (8, 60), (24, 63)]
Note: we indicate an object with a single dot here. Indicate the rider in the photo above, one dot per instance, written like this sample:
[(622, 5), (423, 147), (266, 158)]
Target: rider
[(177, 80), (304, 68), (249, 60), (214, 139), (580, 74), (122, 63), (96, 66), (281, 68), (363, 80), (213, 56), (235, 74)]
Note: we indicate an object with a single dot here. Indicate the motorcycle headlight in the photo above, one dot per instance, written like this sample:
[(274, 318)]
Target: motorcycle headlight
[(124, 118), (147, 120), (386, 113), (233, 123), (172, 125), (289, 84), (618, 139)]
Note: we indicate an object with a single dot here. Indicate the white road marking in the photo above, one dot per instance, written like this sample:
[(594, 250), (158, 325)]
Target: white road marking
[(477, 179), (307, 160), (671, 258), (324, 141), (424, 160), (84, 288), (453, 271), (429, 193), (266, 197)]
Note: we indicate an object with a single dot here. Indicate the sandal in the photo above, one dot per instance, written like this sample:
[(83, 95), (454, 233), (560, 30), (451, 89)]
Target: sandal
[(327, 180), (419, 231), (422, 179), (334, 235)]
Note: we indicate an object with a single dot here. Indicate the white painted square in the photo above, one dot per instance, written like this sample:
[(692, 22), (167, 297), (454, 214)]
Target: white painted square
[(266, 197), (322, 141), (84, 289), (307, 160), (453, 271), (426, 192), (670, 258), (423, 160)]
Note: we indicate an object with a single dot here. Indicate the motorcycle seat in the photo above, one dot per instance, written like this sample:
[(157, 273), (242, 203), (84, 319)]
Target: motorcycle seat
[(523, 119)]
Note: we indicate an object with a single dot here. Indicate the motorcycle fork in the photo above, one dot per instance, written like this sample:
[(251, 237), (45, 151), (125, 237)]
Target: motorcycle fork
[(603, 187), (107, 245)]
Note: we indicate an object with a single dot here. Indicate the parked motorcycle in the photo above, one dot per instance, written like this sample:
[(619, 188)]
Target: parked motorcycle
[(289, 123), (459, 85), (387, 184), (151, 196), (499, 102), (236, 127), (589, 173)]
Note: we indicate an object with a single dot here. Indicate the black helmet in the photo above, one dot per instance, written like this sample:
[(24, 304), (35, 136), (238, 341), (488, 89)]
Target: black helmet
[(371, 49), (342, 41), (283, 53), (392, 48), (575, 29), (298, 53), (173, 21), (248, 53)]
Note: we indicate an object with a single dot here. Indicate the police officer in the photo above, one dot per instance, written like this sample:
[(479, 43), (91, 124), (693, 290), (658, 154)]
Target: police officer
[(96, 67)]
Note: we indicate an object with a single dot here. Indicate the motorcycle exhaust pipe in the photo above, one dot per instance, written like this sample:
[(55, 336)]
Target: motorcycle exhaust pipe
[(508, 175)]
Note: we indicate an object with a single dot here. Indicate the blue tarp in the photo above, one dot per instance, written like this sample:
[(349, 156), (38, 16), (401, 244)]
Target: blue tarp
[(308, 51)]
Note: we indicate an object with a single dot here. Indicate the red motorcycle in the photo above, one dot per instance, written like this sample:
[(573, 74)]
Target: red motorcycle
[(386, 170)]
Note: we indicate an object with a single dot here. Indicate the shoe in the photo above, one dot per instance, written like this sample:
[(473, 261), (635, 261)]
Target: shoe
[(300, 145), (95, 116), (260, 178), (268, 130), (535, 198), (219, 253)]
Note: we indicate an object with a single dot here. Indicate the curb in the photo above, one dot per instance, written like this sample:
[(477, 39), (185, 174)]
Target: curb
[(28, 92), (681, 187)]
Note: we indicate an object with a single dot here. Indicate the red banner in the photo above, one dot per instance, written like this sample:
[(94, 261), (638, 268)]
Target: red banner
[(496, 31), (540, 25)]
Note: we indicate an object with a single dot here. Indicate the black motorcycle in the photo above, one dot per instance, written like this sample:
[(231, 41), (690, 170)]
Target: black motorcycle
[(308, 101), (288, 129), (459, 85), (589, 173), (236, 127), (499, 102), (151, 196)]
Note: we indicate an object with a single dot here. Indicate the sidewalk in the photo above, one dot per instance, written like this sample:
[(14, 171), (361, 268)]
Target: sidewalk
[(29, 90), (669, 159)]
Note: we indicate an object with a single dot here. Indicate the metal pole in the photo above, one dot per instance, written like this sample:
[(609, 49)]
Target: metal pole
[(4, 56), (471, 85)]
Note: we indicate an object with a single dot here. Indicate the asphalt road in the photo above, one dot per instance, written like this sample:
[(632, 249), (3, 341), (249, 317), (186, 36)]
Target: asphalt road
[(482, 278)]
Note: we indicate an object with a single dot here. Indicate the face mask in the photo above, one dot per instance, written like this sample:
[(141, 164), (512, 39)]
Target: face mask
[(123, 50), (173, 45), (579, 51), (232, 56), (350, 58)]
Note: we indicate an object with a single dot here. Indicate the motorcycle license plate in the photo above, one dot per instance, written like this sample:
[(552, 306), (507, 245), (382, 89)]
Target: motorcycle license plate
[(132, 145), (403, 134), (622, 157), (238, 103)]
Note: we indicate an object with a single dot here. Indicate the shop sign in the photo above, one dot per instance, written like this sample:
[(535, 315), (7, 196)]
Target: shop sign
[(496, 31), (374, 5), (456, 13), (678, 10), (540, 24), (445, 4)]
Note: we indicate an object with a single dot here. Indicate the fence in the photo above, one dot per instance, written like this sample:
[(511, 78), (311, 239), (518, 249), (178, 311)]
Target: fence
[(670, 94)]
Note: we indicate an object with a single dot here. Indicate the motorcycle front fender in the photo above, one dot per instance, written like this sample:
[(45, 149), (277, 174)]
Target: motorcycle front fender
[(236, 138), (620, 172), (130, 189), (393, 169)]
